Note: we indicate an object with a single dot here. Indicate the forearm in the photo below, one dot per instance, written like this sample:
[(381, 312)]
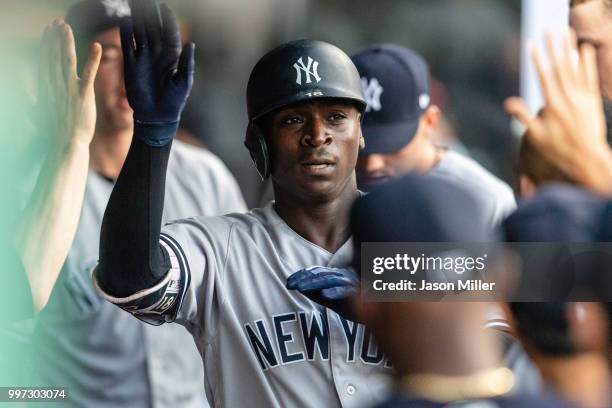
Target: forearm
[(130, 255), (50, 220)]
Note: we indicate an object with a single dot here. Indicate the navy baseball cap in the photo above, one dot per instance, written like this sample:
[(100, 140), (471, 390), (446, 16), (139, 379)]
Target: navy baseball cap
[(396, 85), (419, 208), (89, 18), (600, 278), (557, 213)]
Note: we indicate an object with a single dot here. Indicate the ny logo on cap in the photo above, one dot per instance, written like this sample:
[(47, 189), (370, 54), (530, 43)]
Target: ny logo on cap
[(299, 67), (424, 100), (372, 91), (117, 8)]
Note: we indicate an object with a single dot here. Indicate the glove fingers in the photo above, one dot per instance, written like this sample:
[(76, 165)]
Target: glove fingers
[(350, 273), (153, 25), (338, 292), (126, 28), (139, 25), (186, 67), (296, 277), (324, 282), (303, 274), (171, 34)]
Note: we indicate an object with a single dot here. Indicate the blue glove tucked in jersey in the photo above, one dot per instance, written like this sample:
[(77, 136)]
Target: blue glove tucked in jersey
[(329, 287), (158, 71)]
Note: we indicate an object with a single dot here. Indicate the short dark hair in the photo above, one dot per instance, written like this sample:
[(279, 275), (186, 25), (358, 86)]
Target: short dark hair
[(532, 164)]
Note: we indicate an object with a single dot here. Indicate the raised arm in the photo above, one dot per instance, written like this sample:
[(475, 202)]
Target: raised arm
[(67, 105), (158, 78), (571, 129)]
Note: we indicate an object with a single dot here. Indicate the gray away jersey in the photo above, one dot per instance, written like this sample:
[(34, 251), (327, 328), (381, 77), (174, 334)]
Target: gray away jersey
[(263, 345), (105, 357)]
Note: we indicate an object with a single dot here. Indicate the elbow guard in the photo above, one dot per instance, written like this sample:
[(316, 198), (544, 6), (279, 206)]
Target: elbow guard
[(160, 303)]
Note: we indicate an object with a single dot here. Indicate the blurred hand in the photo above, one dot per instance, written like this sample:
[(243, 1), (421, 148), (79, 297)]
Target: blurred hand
[(67, 102), (158, 70), (570, 131)]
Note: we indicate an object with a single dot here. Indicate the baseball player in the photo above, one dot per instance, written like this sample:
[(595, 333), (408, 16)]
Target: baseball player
[(223, 278), (104, 356), (398, 127)]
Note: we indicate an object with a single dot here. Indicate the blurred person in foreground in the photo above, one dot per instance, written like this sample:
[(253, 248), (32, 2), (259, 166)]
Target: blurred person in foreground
[(400, 124), (442, 354), (103, 356), (568, 341), (34, 249), (66, 113)]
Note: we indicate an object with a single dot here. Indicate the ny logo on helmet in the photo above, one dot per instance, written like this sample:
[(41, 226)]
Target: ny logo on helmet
[(372, 91), (299, 67), (117, 8)]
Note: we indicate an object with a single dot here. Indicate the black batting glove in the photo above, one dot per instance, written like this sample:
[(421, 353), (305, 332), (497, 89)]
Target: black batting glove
[(158, 71)]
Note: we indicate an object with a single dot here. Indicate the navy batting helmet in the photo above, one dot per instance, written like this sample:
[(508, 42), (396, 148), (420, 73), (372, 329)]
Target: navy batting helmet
[(293, 72)]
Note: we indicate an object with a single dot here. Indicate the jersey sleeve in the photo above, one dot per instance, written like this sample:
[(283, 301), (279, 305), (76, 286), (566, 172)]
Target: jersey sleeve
[(192, 290), (202, 247)]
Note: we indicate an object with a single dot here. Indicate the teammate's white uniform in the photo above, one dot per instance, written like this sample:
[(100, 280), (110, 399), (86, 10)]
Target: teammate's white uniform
[(263, 345), (105, 357), (494, 197)]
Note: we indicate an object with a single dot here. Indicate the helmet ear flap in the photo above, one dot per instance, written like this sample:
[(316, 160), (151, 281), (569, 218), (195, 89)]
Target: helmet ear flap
[(258, 149)]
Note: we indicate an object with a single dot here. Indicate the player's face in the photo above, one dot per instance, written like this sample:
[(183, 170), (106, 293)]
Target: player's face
[(114, 112), (592, 22), (375, 169), (314, 148)]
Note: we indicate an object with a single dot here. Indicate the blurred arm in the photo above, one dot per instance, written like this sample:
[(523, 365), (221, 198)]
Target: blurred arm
[(50, 219)]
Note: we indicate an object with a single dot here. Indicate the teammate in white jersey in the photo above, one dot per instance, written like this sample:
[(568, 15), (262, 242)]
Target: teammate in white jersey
[(398, 127), (223, 278)]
